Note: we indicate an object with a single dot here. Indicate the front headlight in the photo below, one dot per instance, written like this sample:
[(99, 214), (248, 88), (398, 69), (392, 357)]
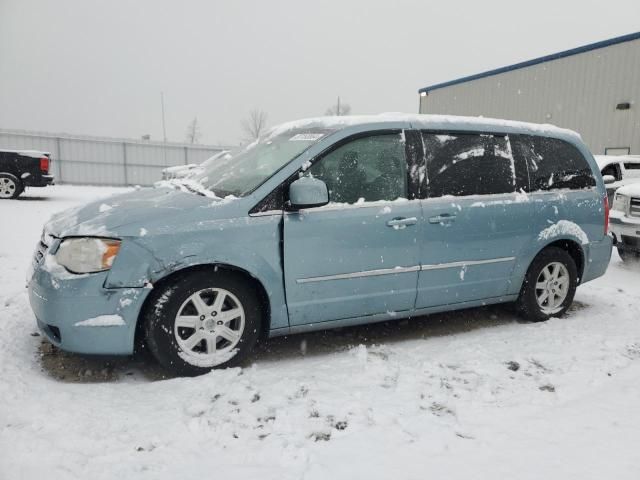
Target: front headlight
[(620, 203), (87, 254)]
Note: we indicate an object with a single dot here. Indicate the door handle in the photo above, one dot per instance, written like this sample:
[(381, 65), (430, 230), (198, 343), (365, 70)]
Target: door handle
[(442, 218), (402, 222)]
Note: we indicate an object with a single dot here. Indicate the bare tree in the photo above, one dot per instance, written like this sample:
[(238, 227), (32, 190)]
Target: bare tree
[(255, 124), (193, 131), (339, 109)]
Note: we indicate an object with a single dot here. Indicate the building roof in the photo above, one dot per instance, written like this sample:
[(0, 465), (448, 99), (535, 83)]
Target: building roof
[(536, 61)]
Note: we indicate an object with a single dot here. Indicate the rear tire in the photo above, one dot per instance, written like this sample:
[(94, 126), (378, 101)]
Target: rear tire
[(203, 320), (549, 286), (10, 186)]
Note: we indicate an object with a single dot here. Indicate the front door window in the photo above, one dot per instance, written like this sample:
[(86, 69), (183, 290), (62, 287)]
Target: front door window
[(365, 170)]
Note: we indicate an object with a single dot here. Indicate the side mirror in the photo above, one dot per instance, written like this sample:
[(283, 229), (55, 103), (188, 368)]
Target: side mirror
[(609, 179), (308, 192)]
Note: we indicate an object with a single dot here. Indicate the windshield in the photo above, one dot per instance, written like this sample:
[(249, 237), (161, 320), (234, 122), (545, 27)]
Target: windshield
[(214, 159), (240, 172)]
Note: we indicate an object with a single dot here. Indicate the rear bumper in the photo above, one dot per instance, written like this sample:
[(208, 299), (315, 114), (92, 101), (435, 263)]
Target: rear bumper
[(40, 181), (598, 257)]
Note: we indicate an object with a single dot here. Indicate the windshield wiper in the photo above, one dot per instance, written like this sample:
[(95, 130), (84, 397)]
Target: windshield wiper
[(221, 193), (193, 190)]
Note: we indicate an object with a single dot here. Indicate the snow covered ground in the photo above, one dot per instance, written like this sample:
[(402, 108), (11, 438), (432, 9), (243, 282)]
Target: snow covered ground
[(472, 394)]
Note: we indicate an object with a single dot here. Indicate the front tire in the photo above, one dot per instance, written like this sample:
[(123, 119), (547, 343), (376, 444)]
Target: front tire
[(203, 320), (549, 285), (10, 186)]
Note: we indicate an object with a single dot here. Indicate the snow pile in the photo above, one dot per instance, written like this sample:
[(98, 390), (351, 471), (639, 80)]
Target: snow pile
[(562, 228), (471, 394)]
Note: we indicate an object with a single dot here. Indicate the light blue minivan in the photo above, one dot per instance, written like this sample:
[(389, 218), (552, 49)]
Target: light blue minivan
[(326, 223)]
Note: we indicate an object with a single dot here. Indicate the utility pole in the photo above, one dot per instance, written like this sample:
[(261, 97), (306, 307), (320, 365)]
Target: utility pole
[(338, 109), (164, 130)]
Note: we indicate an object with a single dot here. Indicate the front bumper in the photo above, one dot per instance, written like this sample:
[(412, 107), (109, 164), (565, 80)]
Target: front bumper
[(61, 300), (626, 232)]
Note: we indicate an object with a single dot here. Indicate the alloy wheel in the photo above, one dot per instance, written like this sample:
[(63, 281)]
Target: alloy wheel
[(552, 287), (209, 326), (7, 187)]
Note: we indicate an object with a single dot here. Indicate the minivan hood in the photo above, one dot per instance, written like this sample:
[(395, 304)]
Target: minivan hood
[(131, 214)]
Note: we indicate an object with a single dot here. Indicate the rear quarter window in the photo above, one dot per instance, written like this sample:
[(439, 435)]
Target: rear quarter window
[(552, 163)]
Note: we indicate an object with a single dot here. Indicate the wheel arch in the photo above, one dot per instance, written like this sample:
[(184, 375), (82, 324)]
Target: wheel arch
[(261, 292), (573, 248)]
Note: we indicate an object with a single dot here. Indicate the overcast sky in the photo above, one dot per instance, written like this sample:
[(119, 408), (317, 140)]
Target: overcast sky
[(98, 67)]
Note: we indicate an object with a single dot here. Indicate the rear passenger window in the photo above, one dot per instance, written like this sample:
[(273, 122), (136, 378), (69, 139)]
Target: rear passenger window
[(468, 164), (552, 163)]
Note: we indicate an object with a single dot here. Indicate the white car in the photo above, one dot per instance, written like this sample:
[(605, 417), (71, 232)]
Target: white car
[(186, 171), (624, 221)]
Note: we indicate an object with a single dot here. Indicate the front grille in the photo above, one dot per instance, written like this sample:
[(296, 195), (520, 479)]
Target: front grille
[(41, 248), (634, 207)]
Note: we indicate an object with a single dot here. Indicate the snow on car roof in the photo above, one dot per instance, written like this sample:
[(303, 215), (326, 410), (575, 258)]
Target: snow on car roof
[(427, 121), (605, 160), (27, 153)]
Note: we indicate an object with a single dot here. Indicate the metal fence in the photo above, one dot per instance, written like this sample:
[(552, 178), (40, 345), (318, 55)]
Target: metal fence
[(106, 161)]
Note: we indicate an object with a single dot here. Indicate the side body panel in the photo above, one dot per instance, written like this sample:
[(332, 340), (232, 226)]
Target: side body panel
[(471, 252), (348, 262), (575, 214), (476, 217), (250, 244)]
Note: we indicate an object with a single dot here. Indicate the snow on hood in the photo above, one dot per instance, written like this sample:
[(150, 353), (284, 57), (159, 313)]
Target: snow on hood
[(135, 210), (632, 190)]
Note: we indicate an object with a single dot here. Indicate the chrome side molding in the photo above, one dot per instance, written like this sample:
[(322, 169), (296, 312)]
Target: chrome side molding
[(465, 263), (367, 273), (392, 271)]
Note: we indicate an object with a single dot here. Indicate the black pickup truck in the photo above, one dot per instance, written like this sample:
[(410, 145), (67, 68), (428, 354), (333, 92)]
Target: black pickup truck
[(23, 168)]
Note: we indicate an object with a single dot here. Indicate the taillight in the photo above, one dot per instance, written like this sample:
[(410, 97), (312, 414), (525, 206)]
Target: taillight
[(606, 214), (44, 164)]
